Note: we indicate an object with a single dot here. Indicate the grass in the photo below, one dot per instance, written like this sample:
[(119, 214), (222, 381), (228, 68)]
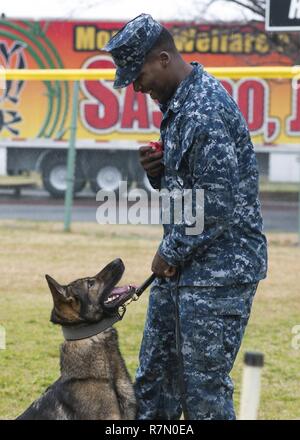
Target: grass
[(35, 178), (31, 359), (278, 187)]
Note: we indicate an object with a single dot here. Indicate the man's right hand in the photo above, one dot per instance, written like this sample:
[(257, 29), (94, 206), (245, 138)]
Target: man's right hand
[(151, 160)]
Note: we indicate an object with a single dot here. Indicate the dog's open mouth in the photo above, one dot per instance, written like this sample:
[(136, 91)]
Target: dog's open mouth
[(118, 296)]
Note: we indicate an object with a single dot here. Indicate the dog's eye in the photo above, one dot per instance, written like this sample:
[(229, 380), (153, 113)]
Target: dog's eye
[(91, 283)]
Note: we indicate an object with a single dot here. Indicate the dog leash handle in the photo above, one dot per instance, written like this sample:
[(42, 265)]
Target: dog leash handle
[(145, 284)]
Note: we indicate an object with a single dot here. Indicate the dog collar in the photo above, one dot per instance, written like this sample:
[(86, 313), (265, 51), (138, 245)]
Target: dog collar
[(77, 332)]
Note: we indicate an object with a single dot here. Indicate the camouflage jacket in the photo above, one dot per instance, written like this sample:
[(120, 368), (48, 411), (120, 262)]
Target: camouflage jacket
[(207, 146)]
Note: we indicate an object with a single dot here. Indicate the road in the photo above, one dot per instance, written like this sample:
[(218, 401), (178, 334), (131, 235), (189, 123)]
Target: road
[(38, 206)]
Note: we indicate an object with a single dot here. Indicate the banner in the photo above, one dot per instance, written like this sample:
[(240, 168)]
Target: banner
[(42, 109)]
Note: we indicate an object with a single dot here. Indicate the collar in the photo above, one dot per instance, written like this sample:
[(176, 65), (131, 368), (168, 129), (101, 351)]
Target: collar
[(76, 332), (177, 100)]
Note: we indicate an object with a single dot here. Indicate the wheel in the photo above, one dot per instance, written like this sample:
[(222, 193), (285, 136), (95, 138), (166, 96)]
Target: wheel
[(54, 175), (107, 176)]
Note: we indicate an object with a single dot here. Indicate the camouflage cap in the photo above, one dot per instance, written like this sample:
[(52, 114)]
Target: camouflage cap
[(130, 46)]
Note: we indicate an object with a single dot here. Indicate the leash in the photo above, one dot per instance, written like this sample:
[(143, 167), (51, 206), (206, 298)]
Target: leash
[(181, 381), (76, 332)]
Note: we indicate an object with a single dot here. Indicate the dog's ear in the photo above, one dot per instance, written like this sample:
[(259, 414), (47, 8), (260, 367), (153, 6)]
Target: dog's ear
[(66, 309), (58, 291)]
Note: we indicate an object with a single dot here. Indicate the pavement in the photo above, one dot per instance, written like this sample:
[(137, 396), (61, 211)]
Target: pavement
[(280, 214)]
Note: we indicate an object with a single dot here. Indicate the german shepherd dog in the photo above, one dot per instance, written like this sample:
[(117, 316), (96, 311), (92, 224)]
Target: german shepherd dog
[(94, 382)]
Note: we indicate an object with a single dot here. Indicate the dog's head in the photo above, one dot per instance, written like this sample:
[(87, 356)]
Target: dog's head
[(88, 300)]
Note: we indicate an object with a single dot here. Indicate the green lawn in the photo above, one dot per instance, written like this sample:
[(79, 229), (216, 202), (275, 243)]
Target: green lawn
[(31, 360)]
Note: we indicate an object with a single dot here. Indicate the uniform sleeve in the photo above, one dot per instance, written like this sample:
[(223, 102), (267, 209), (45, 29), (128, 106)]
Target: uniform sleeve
[(214, 169)]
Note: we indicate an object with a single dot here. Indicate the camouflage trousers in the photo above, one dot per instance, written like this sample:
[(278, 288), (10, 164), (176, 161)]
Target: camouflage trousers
[(212, 321)]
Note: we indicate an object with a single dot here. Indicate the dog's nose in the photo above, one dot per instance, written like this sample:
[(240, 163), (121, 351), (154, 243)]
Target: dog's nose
[(118, 262)]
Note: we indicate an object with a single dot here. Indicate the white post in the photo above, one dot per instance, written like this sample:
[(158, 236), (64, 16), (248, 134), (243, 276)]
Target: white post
[(251, 385), (2, 338), (3, 161)]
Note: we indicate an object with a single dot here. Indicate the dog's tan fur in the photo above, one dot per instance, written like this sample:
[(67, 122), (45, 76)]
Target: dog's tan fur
[(94, 382)]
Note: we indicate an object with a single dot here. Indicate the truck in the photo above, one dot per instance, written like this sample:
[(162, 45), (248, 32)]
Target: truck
[(112, 124)]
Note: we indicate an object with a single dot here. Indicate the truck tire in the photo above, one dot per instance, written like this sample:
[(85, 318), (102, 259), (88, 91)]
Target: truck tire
[(107, 175), (54, 175)]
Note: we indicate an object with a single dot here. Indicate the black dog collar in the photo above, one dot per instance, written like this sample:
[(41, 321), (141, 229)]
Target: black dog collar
[(77, 332)]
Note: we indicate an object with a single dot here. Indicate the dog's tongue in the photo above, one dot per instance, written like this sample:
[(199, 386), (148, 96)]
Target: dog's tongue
[(121, 290), (119, 295)]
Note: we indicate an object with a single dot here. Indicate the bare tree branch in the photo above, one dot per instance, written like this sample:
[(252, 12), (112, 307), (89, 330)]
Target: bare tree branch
[(256, 6), (287, 43)]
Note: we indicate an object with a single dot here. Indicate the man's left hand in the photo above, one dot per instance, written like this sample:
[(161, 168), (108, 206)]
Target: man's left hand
[(161, 268)]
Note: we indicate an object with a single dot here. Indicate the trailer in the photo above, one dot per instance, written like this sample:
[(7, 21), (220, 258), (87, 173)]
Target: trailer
[(113, 124)]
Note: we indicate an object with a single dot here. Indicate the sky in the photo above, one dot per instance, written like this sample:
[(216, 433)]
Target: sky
[(124, 9)]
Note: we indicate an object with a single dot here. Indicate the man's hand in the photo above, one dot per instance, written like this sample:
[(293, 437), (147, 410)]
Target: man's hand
[(151, 160), (161, 268)]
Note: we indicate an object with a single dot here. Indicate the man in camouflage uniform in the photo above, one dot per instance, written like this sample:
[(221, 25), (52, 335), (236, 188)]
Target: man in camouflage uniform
[(197, 318)]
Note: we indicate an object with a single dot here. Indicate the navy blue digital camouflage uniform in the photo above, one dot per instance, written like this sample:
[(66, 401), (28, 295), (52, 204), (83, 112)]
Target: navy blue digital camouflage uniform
[(206, 146)]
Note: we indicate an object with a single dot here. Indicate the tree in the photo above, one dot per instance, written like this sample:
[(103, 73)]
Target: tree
[(283, 42), (258, 7)]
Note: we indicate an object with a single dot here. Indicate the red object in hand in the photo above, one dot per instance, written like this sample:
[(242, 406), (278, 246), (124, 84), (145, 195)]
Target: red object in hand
[(157, 145)]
